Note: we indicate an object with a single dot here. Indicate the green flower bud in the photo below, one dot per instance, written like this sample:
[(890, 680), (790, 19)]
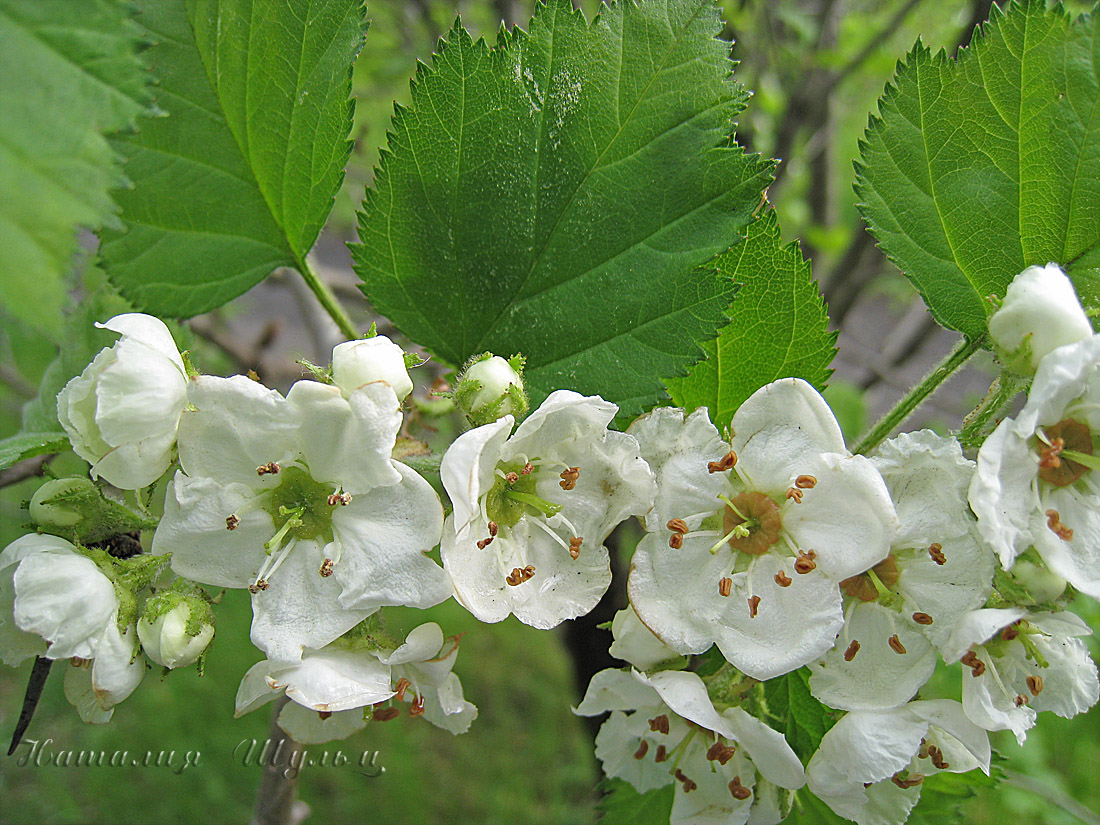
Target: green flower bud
[(490, 388), (1042, 584), (175, 629), (54, 504)]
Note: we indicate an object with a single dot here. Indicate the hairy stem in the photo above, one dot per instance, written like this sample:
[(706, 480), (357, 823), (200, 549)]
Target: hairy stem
[(913, 399), (327, 300)]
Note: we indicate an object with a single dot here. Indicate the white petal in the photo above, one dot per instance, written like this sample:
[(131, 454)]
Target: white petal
[(780, 428), (117, 669), (564, 416), (619, 739), (1077, 560), (136, 464), (423, 642), (308, 728), (140, 395), (446, 707), (877, 677), (347, 442), (987, 705), (79, 692), (685, 693), (385, 535), (334, 680), (635, 643), (767, 749), (949, 717), (149, 330), (614, 689), (1001, 491), (864, 746), (254, 689), (468, 470), (975, 628), (711, 803)]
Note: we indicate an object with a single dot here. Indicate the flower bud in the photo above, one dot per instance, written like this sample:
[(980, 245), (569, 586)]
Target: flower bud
[(122, 412), (54, 504), (490, 388), (175, 630), (1042, 584), (636, 644), (1040, 312), (355, 363)]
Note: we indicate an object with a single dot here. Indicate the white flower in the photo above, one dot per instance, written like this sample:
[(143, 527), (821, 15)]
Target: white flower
[(94, 687), (358, 363), (1034, 485), (665, 728), (169, 640), (298, 500), (1040, 313), (531, 512), (491, 387), (747, 546), (636, 644), (1022, 663), (121, 413), (870, 765), (333, 688)]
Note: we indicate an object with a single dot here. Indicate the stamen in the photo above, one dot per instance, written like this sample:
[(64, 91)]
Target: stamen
[(511, 478), (292, 522), (494, 528), (726, 462), (271, 468), (976, 665), (725, 585), (1049, 456), (643, 749), (1021, 700), (659, 724), (782, 579), (231, 522), (754, 604), (936, 552), (852, 650), (676, 541), (527, 468), (326, 568), (805, 482), (417, 707), (483, 543), (739, 531), (896, 645), (1054, 522), (936, 755), (569, 478), (922, 618), (518, 576), (385, 714), (739, 791), (575, 546), (914, 780), (1035, 684), (324, 714), (677, 525), (923, 752), (550, 532), (795, 494), (720, 752), (343, 499), (402, 685), (689, 786), (805, 562), (1010, 633), (661, 755)]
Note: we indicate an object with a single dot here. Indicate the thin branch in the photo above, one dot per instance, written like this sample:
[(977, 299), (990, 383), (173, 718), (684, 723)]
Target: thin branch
[(22, 470), (276, 801), (18, 384)]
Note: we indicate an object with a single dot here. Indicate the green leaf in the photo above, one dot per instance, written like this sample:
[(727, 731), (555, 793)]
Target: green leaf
[(977, 168), (71, 75), (622, 805), (943, 794), (240, 176), (27, 445), (559, 193), (796, 713), (778, 327)]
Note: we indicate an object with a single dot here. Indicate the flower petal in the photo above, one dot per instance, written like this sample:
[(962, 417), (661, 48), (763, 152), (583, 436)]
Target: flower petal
[(308, 728), (614, 689), (332, 680), (468, 471)]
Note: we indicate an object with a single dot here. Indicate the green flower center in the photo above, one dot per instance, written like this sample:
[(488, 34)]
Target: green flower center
[(513, 495), (300, 506)]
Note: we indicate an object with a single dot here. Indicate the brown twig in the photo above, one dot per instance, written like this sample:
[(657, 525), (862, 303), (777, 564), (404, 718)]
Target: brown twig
[(22, 470), (276, 801)]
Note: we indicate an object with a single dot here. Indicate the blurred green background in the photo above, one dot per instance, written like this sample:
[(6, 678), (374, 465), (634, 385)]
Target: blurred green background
[(816, 68)]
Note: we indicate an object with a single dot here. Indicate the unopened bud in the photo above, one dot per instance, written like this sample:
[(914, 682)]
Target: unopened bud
[(361, 362), (54, 504), (1041, 583), (175, 636), (490, 388)]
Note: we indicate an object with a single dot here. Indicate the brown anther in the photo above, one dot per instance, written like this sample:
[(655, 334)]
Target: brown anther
[(689, 786), (1009, 633), (852, 650), (385, 714), (659, 724), (324, 714), (805, 482), (231, 522), (493, 528), (271, 468), (936, 755), (676, 541), (1054, 522), (519, 576), (913, 780), (936, 552), (1021, 700), (1035, 684), (720, 752), (1049, 457), (923, 752), (326, 568), (417, 706), (253, 589), (343, 499), (527, 469), (896, 645), (569, 478), (575, 546), (402, 685), (661, 755), (726, 462), (794, 493), (739, 791), (511, 478), (971, 660), (922, 618), (1067, 435), (677, 525), (76, 661), (528, 571), (754, 604), (252, 375), (782, 579), (725, 585), (643, 749), (483, 543), (805, 562)]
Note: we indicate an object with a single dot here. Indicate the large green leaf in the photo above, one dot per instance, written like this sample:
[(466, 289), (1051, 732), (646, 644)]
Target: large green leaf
[(559, 193), (622, 805), (979, 167), (71, 75), (240, 176), (778, 327)]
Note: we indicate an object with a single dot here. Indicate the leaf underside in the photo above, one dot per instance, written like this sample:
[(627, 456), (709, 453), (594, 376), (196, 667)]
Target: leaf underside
[(559, 194), (778, 328), (71, 77), (240, 176), (977, 168), (622, 805)]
